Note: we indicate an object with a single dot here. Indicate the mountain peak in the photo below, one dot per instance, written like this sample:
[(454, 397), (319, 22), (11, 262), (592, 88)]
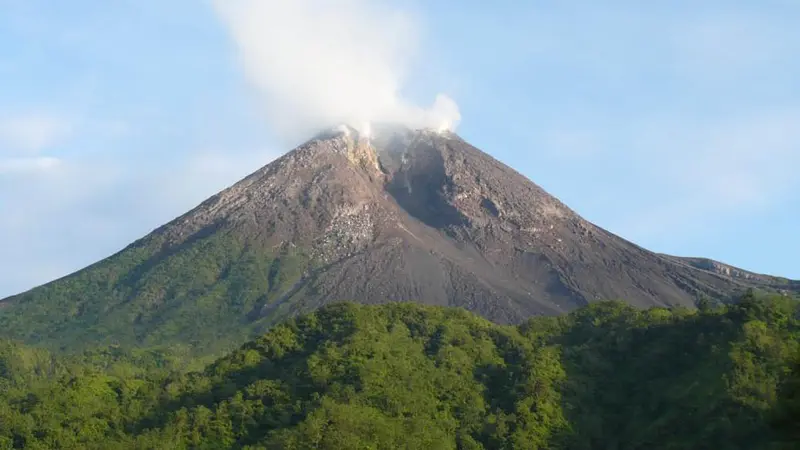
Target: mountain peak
[(380, 132), (393, 214)]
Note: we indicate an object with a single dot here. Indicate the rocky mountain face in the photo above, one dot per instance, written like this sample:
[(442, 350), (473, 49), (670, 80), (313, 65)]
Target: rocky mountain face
[(755, 279), (400, 215)]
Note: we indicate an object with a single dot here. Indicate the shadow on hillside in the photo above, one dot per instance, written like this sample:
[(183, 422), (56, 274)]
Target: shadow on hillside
[(276, 367), (637, 386)]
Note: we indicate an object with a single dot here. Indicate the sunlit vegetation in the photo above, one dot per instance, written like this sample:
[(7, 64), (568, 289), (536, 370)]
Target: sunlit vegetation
[(206, 293), (607, 376)]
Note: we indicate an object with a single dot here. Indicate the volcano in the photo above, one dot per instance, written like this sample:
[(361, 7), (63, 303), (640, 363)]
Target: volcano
[(399, 215)]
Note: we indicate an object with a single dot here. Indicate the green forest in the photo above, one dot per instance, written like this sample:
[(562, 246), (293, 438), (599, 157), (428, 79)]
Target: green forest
[(405, 376)]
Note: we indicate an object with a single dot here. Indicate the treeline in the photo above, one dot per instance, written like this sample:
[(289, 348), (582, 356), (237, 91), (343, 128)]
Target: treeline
[(607, 376)]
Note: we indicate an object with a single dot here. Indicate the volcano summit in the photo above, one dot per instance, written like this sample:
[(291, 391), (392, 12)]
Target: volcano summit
[(396, 215)]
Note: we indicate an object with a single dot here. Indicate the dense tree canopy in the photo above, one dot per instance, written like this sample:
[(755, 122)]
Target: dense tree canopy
[(607, 376)]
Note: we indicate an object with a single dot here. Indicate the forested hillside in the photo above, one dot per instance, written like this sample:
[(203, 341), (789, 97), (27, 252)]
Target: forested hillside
[(607, 376)]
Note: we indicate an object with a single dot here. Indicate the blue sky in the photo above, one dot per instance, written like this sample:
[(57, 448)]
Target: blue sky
[(674, 124)]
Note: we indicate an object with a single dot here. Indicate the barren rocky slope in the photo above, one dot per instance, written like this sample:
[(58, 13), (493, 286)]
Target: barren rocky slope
[(401, 215)]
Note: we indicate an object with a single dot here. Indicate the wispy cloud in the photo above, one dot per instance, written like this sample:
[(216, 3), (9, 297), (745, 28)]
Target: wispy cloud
[(85, 209), (32, 133), (26, 165), (667, 121), (55, 222), (318, 63)]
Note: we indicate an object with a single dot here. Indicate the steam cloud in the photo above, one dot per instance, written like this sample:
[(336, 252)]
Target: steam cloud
[(319, 63)]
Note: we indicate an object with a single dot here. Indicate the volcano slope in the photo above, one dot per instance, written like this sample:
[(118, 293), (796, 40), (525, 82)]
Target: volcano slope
[(401, 215)]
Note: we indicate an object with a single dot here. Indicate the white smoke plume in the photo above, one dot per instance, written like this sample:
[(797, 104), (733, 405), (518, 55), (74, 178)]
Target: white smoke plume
[(319, 63)]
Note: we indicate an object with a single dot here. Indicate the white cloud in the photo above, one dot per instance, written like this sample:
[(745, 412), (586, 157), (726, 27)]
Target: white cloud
[(85, 209), (32, 133), (318, 63), (26, 165), (50, 225)]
